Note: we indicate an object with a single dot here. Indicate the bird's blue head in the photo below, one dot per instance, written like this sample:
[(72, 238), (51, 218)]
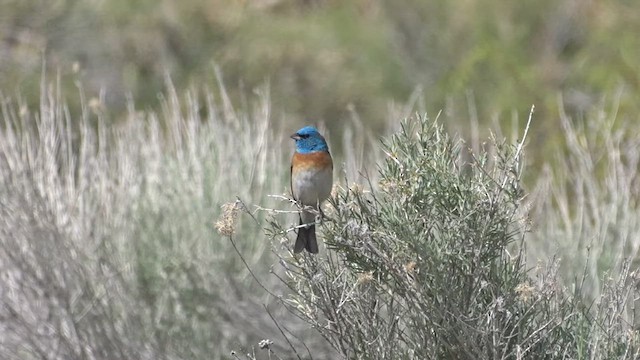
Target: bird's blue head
[(309, 140)]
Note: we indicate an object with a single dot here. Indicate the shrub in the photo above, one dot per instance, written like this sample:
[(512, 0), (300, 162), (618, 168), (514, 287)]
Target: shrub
[(418, 266), (107, 240)]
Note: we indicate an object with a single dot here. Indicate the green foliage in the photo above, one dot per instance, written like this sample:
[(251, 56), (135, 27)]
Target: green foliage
[(125, 241), (420, 268), (325, 58)]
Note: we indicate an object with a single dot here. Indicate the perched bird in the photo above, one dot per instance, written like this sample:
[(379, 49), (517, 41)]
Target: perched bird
[(311, 181)]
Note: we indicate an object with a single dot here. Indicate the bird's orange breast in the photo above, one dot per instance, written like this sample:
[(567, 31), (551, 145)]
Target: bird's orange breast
[(316, 160)]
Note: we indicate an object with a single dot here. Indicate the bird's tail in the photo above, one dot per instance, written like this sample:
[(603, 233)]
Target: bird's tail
[(306, 239)]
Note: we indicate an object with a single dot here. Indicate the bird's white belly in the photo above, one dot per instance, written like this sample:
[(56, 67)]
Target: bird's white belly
[(312, 187)]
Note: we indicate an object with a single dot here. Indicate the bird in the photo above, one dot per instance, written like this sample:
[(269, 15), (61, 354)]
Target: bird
[(311, 182)]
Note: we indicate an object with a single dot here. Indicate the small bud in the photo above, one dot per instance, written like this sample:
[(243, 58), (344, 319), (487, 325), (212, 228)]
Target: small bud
[(524, 291), (410, 267), (365, 278), (264, 344)]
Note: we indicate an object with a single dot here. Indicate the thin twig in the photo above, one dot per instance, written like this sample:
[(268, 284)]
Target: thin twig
[(282, 332), (235, 247), (520, 143), (246, 209)]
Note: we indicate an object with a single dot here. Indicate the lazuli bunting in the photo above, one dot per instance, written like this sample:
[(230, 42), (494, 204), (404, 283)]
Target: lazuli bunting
[(311, 182)]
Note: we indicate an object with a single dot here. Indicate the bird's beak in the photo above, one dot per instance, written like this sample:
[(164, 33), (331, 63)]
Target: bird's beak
[(295, 137)]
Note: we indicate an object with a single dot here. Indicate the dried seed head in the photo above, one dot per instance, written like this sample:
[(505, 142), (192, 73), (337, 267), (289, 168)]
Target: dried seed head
[(357, 189), (365, 278), (388, 186), (410, 267), (524, 291), (226, 224)]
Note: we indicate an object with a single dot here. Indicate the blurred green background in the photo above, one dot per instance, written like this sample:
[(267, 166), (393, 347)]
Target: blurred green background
[(482, 63), (325, 59)]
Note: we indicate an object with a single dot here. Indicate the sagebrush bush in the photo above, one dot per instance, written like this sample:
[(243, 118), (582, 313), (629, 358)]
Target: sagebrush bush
[(418, 266), (586, 200), (108, 247)]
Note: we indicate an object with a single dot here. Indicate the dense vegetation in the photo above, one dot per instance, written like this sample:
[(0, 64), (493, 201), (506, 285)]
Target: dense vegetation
[(144, 210), (325, 58), (128, 241)]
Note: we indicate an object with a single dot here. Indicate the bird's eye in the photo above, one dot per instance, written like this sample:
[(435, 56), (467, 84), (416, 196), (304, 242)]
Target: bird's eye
[(304, 136)]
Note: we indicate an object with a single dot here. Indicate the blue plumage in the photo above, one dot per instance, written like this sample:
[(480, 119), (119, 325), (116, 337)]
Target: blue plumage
[(308, 140)]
